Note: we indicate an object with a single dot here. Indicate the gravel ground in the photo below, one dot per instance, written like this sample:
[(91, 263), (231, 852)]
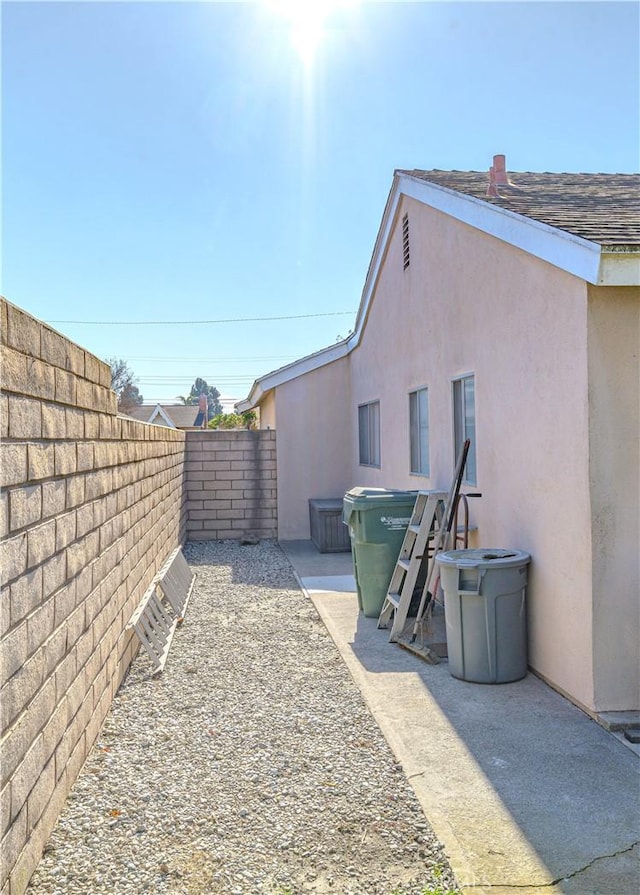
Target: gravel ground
[(250, 765)]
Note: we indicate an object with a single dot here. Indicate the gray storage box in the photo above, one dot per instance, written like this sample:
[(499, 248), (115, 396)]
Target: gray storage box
[(328, 532), (485, 615)]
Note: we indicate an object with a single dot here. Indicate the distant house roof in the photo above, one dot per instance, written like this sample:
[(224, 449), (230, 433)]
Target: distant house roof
[(603, 208), (175, 416), (142, 412), (184, 416), (585, 224)]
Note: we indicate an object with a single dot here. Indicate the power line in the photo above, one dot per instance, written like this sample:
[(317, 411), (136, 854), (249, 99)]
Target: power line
[(186, 377), (198, 322), (184, 380), (217, 358)]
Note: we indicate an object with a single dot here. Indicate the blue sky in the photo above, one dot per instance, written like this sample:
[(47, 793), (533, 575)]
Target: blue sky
[(184, 162)]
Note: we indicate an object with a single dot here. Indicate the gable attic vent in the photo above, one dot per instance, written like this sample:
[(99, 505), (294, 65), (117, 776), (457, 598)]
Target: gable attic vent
[(405, 241)]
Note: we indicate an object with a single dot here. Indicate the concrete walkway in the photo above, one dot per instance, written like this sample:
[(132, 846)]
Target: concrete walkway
[(526, 793)]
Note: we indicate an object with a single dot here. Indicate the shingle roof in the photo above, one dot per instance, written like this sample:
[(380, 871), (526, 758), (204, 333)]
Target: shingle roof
[(141, 412), (603, 208), (183, 416)]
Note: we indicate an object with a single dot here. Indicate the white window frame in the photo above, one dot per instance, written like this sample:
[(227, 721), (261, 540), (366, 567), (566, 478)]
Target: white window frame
[(369, 434), (463, 400), (419, 432)]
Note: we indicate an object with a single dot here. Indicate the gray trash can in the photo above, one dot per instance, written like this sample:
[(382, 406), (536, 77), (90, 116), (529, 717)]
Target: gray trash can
[(485, 617)]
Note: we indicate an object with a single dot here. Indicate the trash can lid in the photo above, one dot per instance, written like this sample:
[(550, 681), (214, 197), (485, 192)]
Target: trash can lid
[(483, 558), (384, 494), (362, 491), (366, 499), (325, 503)]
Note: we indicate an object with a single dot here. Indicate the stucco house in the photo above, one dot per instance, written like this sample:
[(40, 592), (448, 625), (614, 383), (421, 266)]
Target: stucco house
[(506, 308)]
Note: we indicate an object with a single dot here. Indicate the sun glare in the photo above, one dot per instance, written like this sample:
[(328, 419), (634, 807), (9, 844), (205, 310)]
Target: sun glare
[(307, 20)]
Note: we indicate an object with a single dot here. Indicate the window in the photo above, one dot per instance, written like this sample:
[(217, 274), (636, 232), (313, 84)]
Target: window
[(464, 423), (419, 430), (405, 241), (369, 433)]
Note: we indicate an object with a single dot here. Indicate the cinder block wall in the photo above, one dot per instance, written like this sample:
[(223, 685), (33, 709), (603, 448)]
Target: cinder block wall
[(231, 484), (91, 506)]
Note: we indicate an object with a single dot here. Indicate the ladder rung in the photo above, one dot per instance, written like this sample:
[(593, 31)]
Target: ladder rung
[(419, 545), (162, 608)]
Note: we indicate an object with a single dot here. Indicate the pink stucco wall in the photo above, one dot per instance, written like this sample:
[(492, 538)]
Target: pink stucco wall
[(315, 431), (268, 412), (614, 379), (556, 375), (469, 303)]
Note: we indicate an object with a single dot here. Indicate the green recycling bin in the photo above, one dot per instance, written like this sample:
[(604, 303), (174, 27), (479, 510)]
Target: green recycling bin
[(377, 519)]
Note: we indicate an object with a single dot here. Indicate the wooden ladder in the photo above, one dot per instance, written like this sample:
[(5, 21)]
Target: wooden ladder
[(429, 530), (163, 607), (425, 523)]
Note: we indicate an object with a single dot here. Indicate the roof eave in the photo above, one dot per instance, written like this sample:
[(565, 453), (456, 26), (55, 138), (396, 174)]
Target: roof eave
[(581, 257), (261, 387), (619, 266), (255, 397), (160, 412), (575, 255)]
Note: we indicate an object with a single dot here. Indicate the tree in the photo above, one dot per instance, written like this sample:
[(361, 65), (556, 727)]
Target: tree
[(200, 387), (123, 383), (246, 420)]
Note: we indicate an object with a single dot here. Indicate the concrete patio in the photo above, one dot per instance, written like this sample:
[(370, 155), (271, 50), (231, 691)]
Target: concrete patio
[(525, 791)]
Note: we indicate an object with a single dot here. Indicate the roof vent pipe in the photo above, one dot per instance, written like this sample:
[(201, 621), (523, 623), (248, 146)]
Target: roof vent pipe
[(500, 169), (497, 175), (492, 189)]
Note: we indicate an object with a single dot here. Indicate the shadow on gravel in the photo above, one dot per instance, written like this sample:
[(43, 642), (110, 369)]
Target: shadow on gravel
[(248, 564)]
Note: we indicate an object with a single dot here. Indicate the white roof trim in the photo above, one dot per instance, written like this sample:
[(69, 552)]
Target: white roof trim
[(574, 254), (580, 257), (291, 371), (158, 411)]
